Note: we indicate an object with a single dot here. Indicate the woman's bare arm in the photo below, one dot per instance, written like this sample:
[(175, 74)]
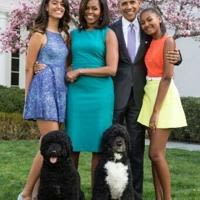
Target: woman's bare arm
[(165, 81), (111, 61)]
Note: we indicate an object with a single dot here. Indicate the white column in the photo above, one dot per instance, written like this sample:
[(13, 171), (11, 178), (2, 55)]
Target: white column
[(5, 58), (22, 70), (23, 33)]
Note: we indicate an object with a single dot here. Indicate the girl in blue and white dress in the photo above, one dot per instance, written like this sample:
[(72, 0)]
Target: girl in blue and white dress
[(45, 92)]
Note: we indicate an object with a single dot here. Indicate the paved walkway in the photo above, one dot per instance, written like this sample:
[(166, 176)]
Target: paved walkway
[(180, 145)]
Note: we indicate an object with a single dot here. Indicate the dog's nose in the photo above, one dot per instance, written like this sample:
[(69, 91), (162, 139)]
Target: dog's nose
[(54, 152), (119, 143)]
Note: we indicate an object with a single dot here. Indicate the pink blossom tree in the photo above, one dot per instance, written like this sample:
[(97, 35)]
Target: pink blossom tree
[(182, 16), (20, 17)]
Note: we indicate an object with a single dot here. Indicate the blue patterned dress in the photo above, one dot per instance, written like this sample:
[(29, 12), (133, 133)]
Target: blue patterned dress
[(46, 98)]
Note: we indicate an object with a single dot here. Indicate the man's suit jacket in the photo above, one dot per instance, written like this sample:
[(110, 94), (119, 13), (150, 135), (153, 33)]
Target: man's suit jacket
[(129, 75)]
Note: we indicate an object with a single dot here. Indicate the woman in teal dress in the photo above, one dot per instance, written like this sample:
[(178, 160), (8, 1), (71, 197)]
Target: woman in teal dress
[(90, 102)]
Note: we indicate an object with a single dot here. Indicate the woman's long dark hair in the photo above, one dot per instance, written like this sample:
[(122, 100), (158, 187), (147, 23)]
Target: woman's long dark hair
[(157, 12), (104, 18), (41, 21)]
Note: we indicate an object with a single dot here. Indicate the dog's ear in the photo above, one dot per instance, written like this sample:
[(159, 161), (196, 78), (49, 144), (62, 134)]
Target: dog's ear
[(127, 140), (107, 139), (68, 144), (42, 148), (122, 131), (128, 144), (44, 143)]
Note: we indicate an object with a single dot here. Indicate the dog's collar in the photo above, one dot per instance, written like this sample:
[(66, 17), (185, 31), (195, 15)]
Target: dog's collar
[(117, 156)]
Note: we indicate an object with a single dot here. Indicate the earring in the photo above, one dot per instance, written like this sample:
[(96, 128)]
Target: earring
[(101, 18)]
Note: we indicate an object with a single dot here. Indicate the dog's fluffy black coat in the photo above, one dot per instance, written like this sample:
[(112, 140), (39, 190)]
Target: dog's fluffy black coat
[(59, 180), (115, 150)]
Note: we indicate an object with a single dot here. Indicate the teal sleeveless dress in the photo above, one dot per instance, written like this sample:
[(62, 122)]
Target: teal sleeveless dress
[(90, 100)]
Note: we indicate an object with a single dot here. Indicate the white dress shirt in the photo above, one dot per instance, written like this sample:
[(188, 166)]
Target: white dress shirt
[(125, 27)]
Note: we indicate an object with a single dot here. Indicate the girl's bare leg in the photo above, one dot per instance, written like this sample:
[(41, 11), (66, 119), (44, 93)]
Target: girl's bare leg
[(44, 127), (157, 150), (157, 184)]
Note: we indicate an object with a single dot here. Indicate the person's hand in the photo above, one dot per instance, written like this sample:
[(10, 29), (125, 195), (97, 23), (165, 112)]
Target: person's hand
[(173, 56), (153, 122), (69, 68), (38, 67), (73, 75)]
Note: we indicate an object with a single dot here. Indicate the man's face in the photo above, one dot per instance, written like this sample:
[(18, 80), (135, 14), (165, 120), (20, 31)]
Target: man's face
[(129, 8)]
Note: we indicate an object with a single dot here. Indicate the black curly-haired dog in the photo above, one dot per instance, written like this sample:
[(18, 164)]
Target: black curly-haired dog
[(113, 177), (59, 180)]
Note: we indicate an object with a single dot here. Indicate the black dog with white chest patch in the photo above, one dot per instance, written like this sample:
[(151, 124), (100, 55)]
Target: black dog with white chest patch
[(59, 179), (113, 177)]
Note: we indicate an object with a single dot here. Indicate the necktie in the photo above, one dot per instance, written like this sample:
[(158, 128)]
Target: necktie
[(131, 42)]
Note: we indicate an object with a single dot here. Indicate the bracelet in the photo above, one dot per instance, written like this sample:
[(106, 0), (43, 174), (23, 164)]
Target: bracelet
[(80, 72)]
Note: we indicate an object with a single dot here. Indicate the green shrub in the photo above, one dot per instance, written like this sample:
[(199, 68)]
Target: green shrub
[(191, 133), (12, 100), (12, 126)]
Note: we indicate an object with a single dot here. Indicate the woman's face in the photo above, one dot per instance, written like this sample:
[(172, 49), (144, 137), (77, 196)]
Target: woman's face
[(92, 13), (150, 23), (55, 9)]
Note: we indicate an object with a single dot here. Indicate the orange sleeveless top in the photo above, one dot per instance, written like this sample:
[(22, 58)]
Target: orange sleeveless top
[(154, 58)]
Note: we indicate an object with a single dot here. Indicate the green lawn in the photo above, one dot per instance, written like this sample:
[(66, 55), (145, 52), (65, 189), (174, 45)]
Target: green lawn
[(16, 158)]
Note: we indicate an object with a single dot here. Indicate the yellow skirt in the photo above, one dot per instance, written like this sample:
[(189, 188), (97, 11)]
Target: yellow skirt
[(171, 114)]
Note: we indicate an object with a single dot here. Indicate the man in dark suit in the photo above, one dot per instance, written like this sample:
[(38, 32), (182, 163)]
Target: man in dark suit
[(129, 85)]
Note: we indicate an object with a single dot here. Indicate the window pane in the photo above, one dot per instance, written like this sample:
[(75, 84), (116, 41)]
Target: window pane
[(14, 78), (15, 64)]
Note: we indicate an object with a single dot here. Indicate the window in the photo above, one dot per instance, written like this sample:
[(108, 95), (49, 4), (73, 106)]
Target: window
[(15, 69)]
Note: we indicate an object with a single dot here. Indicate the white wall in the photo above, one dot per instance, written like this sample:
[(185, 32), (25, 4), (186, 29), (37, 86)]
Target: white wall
[(187, 75)]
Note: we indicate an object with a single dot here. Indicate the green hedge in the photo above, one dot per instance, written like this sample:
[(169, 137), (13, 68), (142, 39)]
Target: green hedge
[(12, 99), (191, 133), (12, 126)]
